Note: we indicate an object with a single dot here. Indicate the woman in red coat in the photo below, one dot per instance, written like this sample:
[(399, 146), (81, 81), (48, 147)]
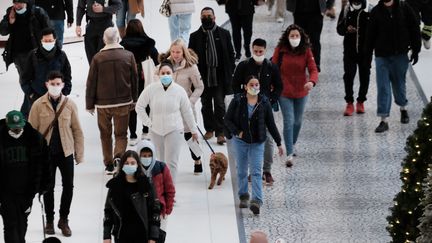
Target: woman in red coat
[(294, 56)]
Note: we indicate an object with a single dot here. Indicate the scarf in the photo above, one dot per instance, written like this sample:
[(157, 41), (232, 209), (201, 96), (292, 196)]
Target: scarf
[(211, 57)]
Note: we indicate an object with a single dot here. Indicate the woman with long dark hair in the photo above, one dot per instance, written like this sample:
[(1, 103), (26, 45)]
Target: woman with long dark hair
[(132, 209), (143, 47), (294, 57)]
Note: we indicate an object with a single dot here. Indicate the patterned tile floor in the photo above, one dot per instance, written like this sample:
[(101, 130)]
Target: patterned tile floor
[(345, 175)]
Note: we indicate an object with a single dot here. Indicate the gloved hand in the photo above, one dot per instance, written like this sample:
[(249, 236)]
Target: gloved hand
[(414, 58)]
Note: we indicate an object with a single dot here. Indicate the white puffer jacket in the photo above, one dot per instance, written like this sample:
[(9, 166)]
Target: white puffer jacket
[(182, 6), (168, 109)]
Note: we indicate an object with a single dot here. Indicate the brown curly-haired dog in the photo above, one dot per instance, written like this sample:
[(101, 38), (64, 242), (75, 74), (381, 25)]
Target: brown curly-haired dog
[(218, 165)]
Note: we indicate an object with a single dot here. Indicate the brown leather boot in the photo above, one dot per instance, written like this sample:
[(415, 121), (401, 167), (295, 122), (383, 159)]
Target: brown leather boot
[(49, 228), (63, 224)]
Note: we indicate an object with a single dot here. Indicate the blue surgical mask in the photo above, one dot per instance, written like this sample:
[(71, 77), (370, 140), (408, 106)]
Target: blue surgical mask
[(166, 80), (130, 169), (48, 45), (146, 161), (20, 11)]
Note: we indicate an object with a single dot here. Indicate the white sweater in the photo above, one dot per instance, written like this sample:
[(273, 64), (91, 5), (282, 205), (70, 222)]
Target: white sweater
[(168, 109)]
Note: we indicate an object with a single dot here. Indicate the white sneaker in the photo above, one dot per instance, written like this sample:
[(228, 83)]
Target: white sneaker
[(280, 20), (133, 141), (426, 44), (289, 160), (145, 136)]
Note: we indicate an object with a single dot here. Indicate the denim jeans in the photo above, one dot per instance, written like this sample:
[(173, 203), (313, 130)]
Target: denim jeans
[(292, 114), (123, 15), (180, 25), (58, 26), (268, 153), (249, 155), (390, 76)]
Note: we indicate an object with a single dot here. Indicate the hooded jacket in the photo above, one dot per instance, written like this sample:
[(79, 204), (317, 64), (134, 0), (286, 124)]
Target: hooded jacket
[(354, 43), (37, 20), (161, 177), (393, 31)]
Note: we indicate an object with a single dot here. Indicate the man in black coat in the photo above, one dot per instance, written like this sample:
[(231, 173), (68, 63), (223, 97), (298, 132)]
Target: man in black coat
[(99, 17), (308, 14), (23, 22), (56, 11), (24, 171), (270, 85), (40, 61), (216, 54), (393, 30)]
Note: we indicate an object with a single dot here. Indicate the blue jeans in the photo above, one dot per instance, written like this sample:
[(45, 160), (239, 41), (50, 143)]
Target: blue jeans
[(121, 15), (180, 25), (249, 155), (292, 114), (390, 75), (58, 26)]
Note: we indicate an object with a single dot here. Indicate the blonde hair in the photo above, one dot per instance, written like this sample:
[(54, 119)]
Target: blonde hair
[(189, 55)]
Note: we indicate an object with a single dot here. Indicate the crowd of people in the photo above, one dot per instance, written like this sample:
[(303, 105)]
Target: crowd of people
[(128, 79)]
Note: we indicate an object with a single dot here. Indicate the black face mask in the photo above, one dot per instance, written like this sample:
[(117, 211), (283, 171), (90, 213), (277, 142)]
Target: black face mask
[(207, 23)]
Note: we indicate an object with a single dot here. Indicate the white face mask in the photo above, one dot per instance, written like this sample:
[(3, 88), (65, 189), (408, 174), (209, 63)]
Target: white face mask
[(295, 42), (16, 135), (146, 161), (54, 91), (253, 91), (21, 11), (258, 59), (356, 6), (48, 45)]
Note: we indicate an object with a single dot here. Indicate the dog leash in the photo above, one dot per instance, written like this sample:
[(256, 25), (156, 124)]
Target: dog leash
[(206, 140)]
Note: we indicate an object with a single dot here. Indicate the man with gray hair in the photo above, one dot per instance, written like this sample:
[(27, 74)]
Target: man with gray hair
[(112, 89)]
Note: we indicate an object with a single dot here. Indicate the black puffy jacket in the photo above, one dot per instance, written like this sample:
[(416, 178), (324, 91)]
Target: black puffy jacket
[(145, 202), (254, 129), (38, 20), (393, 32)]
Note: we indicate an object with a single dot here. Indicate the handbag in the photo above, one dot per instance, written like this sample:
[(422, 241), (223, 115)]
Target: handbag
[(148, 68), (162, 236), (165, 8)]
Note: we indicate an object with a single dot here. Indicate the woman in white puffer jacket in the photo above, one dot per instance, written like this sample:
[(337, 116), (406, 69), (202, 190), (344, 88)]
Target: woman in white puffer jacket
[(169, 107)]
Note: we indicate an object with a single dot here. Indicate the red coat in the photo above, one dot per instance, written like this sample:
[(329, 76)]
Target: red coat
[(293, 71), (164, 186)]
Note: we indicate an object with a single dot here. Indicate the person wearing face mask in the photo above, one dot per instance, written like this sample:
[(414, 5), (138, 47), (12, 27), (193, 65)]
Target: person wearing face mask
[(113, 91), (294, 57), (56, 117), (352, 25), (23, 22), (24, 172), (393, 31), (187, 75), (248, 117), (132, 208), (270, 86), (40, 61), (213, 46), (160, 175), (170, 109)]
